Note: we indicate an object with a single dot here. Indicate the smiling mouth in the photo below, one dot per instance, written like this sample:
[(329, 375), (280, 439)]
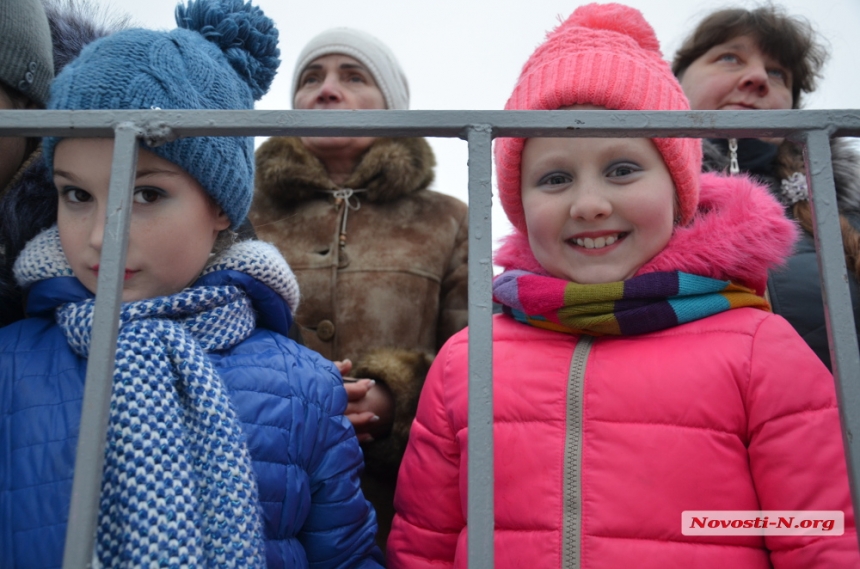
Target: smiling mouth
[(598, 242)]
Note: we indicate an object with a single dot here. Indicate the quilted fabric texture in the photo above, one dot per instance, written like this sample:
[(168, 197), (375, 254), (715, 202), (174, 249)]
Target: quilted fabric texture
[(288, 404)]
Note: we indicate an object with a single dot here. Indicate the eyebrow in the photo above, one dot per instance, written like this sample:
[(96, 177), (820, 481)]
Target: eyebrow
[(64, 174), (156, 172), (317, 66), (140, 173)]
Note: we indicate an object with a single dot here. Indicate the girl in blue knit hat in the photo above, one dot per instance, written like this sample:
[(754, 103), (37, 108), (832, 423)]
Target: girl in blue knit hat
[(226, 442)]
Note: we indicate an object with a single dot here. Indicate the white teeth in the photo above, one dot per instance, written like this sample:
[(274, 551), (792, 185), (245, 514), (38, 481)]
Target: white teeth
[(598, 243)]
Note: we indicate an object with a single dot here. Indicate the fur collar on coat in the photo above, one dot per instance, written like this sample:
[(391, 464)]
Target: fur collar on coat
[(846, 169), (738, 233), (392, 167)]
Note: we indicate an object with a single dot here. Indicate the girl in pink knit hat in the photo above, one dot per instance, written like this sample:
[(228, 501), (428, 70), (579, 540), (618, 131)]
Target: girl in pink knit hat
[(649, 409)]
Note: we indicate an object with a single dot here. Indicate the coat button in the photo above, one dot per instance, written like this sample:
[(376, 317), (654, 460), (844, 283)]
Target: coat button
[(325, 330)]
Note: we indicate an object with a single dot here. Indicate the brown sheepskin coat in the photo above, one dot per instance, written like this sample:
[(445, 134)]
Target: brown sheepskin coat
[(388, 291)]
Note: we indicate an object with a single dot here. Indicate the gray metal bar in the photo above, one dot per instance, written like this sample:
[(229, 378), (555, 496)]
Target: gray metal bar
[(435, 123), (480, 513), (814, 127), (841, 333), (89, 460)]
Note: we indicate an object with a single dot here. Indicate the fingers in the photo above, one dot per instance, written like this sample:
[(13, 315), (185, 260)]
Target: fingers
[(356, 390), (362, 422), (343, 366)]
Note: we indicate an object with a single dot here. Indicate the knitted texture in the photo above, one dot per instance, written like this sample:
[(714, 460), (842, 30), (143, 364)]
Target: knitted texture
[(262, 261), (642, 304), (178, 487), (608, 56), (41, 259), (26, 60), (223, 56), (366, 49)]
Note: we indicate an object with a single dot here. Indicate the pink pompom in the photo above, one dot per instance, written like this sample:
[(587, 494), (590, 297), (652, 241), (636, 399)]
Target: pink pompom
[(616, 18)]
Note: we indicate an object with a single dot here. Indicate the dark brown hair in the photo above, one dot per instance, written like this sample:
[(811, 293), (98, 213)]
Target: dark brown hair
[(790, 160), (789, 40)]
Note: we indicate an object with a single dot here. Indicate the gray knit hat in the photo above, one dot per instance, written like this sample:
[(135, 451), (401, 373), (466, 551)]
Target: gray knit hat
[(368, 51), (26, 53)]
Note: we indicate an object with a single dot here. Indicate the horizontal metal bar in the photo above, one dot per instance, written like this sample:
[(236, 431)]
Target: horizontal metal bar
[(451, 124)]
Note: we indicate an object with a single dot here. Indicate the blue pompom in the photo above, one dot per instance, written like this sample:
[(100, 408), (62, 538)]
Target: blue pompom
[(247, 37)]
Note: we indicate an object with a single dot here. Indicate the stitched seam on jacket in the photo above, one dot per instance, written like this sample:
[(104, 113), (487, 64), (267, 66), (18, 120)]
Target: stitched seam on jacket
[(527, 421), (411, 272), (701, 543), (694, 427), (658, 424), (683, 542), (572, 479)]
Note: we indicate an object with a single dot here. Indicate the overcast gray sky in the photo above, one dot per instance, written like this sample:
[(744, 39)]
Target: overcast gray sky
[(467, 54)]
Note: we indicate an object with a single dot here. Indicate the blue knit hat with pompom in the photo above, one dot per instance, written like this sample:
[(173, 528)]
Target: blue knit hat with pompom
[(224, 55)]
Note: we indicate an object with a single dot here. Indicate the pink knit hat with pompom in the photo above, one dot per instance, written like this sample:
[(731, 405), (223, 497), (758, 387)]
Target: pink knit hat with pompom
[(605, 55)]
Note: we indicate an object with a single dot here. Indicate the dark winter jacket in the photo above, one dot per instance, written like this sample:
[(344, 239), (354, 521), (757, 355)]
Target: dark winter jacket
[(795, 290), (289, 401), (389, 292), (29, 203)]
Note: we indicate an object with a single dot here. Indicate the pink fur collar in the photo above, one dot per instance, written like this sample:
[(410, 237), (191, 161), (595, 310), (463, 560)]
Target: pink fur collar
[(738, 233)]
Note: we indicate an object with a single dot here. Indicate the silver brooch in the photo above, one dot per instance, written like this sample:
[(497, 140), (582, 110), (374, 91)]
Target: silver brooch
[(793, 189)]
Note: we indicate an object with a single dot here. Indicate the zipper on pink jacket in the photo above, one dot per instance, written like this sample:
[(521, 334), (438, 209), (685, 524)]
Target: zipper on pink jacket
[(572, 484)]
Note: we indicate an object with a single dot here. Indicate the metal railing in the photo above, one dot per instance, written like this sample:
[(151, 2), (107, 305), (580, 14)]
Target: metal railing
[(811, 129)]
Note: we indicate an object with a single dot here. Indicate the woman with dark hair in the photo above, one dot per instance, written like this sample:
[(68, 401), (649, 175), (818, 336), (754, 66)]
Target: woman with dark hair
[(738, 59)]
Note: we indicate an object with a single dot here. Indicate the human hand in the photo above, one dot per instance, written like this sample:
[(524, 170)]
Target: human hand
[(370, 406)]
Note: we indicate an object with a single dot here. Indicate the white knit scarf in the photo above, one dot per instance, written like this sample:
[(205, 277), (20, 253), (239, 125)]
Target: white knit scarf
[(178, 487)]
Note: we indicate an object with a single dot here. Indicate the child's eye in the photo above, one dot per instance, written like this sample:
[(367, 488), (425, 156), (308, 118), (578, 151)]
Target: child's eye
[(76, 195), (622, 170), (729, 58), (554, 179), (147, 195)]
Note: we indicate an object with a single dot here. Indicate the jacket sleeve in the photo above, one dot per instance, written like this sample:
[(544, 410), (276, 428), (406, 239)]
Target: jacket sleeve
[(454, 293), (795, 446), (340, 529), (428, 517), (403, 372)]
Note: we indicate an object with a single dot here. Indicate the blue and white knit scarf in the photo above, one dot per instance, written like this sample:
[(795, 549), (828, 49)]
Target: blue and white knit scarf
[(178, 488)]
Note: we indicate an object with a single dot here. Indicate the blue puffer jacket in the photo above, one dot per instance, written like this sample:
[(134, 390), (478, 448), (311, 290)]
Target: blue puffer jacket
[(290, 402)]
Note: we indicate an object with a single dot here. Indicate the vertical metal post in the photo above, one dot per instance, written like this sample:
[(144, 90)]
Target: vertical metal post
[(480, 514), (841, 333), (89, 460)]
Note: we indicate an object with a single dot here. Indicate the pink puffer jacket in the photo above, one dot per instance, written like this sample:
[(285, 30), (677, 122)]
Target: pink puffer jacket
[(602, 443)]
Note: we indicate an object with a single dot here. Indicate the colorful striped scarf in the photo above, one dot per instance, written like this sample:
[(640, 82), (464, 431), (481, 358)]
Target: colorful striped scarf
[(639, 305)]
